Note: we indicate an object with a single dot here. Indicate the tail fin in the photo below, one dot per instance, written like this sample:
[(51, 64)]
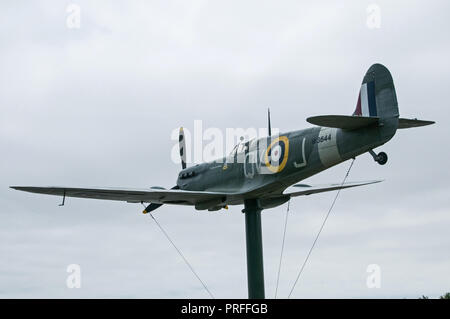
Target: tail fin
[(377, 105), (377, 97)]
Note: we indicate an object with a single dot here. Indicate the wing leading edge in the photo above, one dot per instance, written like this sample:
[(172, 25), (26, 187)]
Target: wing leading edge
[(303, 189), (158, 196)]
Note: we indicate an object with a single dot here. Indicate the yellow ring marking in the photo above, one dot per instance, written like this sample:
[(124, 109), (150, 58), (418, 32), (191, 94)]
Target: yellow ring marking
[(277, 169)]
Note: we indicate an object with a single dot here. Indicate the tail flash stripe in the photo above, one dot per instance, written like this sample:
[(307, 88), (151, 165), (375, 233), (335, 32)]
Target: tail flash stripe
[(371, 98), (358, 106), (364, 100)]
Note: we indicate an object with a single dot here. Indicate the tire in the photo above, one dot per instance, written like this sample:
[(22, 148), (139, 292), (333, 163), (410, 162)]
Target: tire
[(382, 158)]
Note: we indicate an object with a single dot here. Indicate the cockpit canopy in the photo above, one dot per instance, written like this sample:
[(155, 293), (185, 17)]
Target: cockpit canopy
[(244, 146), (238, 148)]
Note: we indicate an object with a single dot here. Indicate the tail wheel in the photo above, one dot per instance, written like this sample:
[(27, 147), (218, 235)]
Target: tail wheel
[(382, 158)]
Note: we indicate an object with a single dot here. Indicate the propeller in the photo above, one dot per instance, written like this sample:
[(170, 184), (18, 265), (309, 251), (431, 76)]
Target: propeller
[(152, 206), (269, 127), (182, 143)]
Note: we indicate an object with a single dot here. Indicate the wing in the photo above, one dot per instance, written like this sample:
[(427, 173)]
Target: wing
[(158, 196), (303, 189)]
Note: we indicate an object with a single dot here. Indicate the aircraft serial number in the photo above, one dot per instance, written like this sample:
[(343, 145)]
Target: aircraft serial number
[(321, 139)]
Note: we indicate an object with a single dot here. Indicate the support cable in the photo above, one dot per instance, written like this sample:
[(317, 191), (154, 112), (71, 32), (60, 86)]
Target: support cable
[(282, 247), (321, 228), (181, 254)]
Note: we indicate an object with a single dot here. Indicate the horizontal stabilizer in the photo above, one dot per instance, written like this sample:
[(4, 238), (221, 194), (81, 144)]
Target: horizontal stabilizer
[(409, 123), (303, 189), (346, 122)]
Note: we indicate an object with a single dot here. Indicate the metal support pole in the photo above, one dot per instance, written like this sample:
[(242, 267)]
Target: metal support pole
[(253, 235)]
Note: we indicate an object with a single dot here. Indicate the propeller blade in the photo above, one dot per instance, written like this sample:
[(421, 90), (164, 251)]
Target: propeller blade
[(182, 143), (152, 206), (269, 126)]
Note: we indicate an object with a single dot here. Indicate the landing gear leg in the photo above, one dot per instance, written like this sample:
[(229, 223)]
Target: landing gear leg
[(381, 158)]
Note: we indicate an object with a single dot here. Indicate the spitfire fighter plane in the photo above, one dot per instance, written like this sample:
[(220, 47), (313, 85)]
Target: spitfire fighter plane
[(268, 168), (262, 173)]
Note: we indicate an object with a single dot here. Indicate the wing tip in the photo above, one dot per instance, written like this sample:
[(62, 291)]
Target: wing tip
[(375, 181), (22, 188)]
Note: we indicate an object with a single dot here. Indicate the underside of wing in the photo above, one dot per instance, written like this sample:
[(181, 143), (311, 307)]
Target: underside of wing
[(345, 122), (304, 189), (159, 196)]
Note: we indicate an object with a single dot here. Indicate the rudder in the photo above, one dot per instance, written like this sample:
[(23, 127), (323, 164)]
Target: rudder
[(377, 97)]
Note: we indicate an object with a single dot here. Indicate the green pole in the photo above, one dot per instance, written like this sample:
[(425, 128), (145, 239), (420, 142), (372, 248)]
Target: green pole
[(253, 236)]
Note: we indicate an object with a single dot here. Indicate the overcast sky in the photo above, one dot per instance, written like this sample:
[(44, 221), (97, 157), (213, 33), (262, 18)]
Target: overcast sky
[(96, 106)]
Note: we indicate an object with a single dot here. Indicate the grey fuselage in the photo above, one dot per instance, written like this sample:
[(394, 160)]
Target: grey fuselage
[(309, 151)]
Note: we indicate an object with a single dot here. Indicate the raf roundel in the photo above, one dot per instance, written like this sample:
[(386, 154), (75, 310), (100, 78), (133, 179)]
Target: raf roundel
[(277, 154)]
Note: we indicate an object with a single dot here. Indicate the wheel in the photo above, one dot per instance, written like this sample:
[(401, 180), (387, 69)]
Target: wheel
[(382, 158)]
